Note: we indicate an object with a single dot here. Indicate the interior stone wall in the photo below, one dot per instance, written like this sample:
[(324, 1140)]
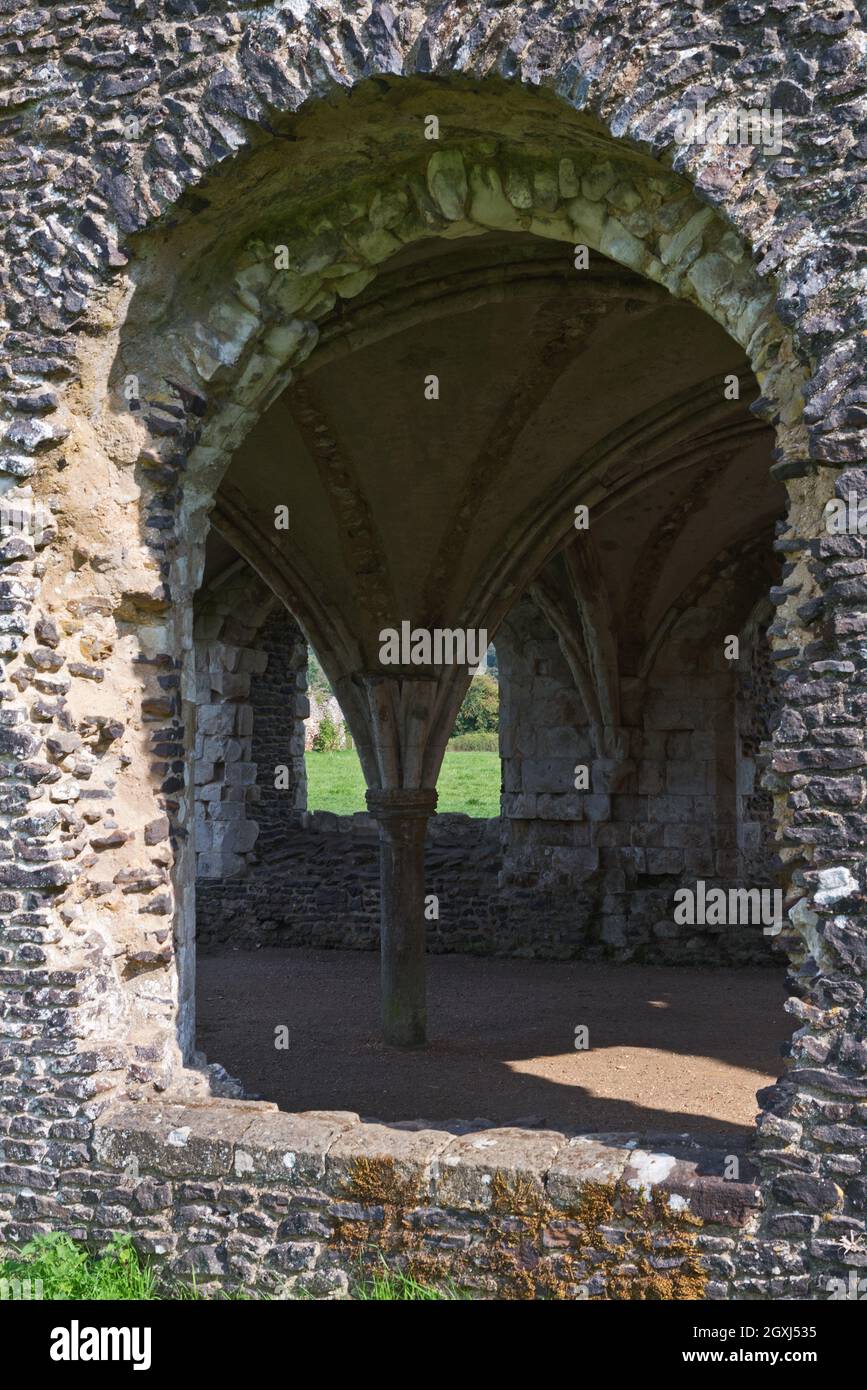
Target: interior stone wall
[(564, 874), (280, 706), (662, 817), (757, 711), (320, 887), (251, 665)]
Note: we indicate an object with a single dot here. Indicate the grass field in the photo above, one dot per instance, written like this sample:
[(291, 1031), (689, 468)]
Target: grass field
[(469, 782)]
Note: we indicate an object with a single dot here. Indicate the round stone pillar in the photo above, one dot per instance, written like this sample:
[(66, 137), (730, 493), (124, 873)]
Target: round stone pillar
[(402, 816)]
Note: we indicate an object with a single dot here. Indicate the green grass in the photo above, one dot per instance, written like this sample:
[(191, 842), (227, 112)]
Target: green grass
[(389, 1286), (468, 782), (68, 1271), (65, 1269)]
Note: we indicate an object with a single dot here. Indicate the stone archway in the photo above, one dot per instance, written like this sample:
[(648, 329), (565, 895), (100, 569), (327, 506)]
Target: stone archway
[(245, 363), (117, 617)]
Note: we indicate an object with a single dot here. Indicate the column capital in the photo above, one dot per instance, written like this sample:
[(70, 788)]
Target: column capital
[(399, 803)]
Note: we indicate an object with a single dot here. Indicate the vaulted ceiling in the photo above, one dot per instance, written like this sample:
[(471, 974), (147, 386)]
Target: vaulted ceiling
[(556, 386)]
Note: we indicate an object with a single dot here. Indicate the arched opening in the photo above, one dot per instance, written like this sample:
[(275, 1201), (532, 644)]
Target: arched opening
[(662, 436), (345, 565)]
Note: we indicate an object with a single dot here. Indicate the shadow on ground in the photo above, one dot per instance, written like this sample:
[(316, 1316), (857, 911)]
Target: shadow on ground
[(671, 1050)]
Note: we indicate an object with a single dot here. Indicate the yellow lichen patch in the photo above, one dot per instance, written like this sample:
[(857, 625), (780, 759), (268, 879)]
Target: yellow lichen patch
[(616, 1241), (391, 1237), (658, 1257), (377, 1182)]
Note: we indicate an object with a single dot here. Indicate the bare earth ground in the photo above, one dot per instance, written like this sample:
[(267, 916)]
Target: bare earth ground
[(671, 1050)]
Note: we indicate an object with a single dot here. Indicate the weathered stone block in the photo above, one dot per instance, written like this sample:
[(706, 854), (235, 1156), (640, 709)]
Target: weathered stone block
[(466, 1169), (171, 1140), (582, 1160), (410, 1152), (290, 1148)]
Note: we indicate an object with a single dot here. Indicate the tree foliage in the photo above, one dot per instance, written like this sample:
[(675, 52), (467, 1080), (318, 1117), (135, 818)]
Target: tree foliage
[(480, 711), (327, 737)]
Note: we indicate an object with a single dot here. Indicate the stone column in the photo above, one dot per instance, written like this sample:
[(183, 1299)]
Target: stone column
[(402, 816)]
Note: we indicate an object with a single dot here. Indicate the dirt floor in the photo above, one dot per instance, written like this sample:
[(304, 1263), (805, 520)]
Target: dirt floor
[(671, 1050)]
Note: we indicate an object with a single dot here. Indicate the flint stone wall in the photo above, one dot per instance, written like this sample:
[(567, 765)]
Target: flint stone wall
[(241, 1195), (96, 997)]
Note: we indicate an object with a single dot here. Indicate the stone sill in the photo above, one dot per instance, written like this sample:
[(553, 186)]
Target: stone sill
[(453, 1166)]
